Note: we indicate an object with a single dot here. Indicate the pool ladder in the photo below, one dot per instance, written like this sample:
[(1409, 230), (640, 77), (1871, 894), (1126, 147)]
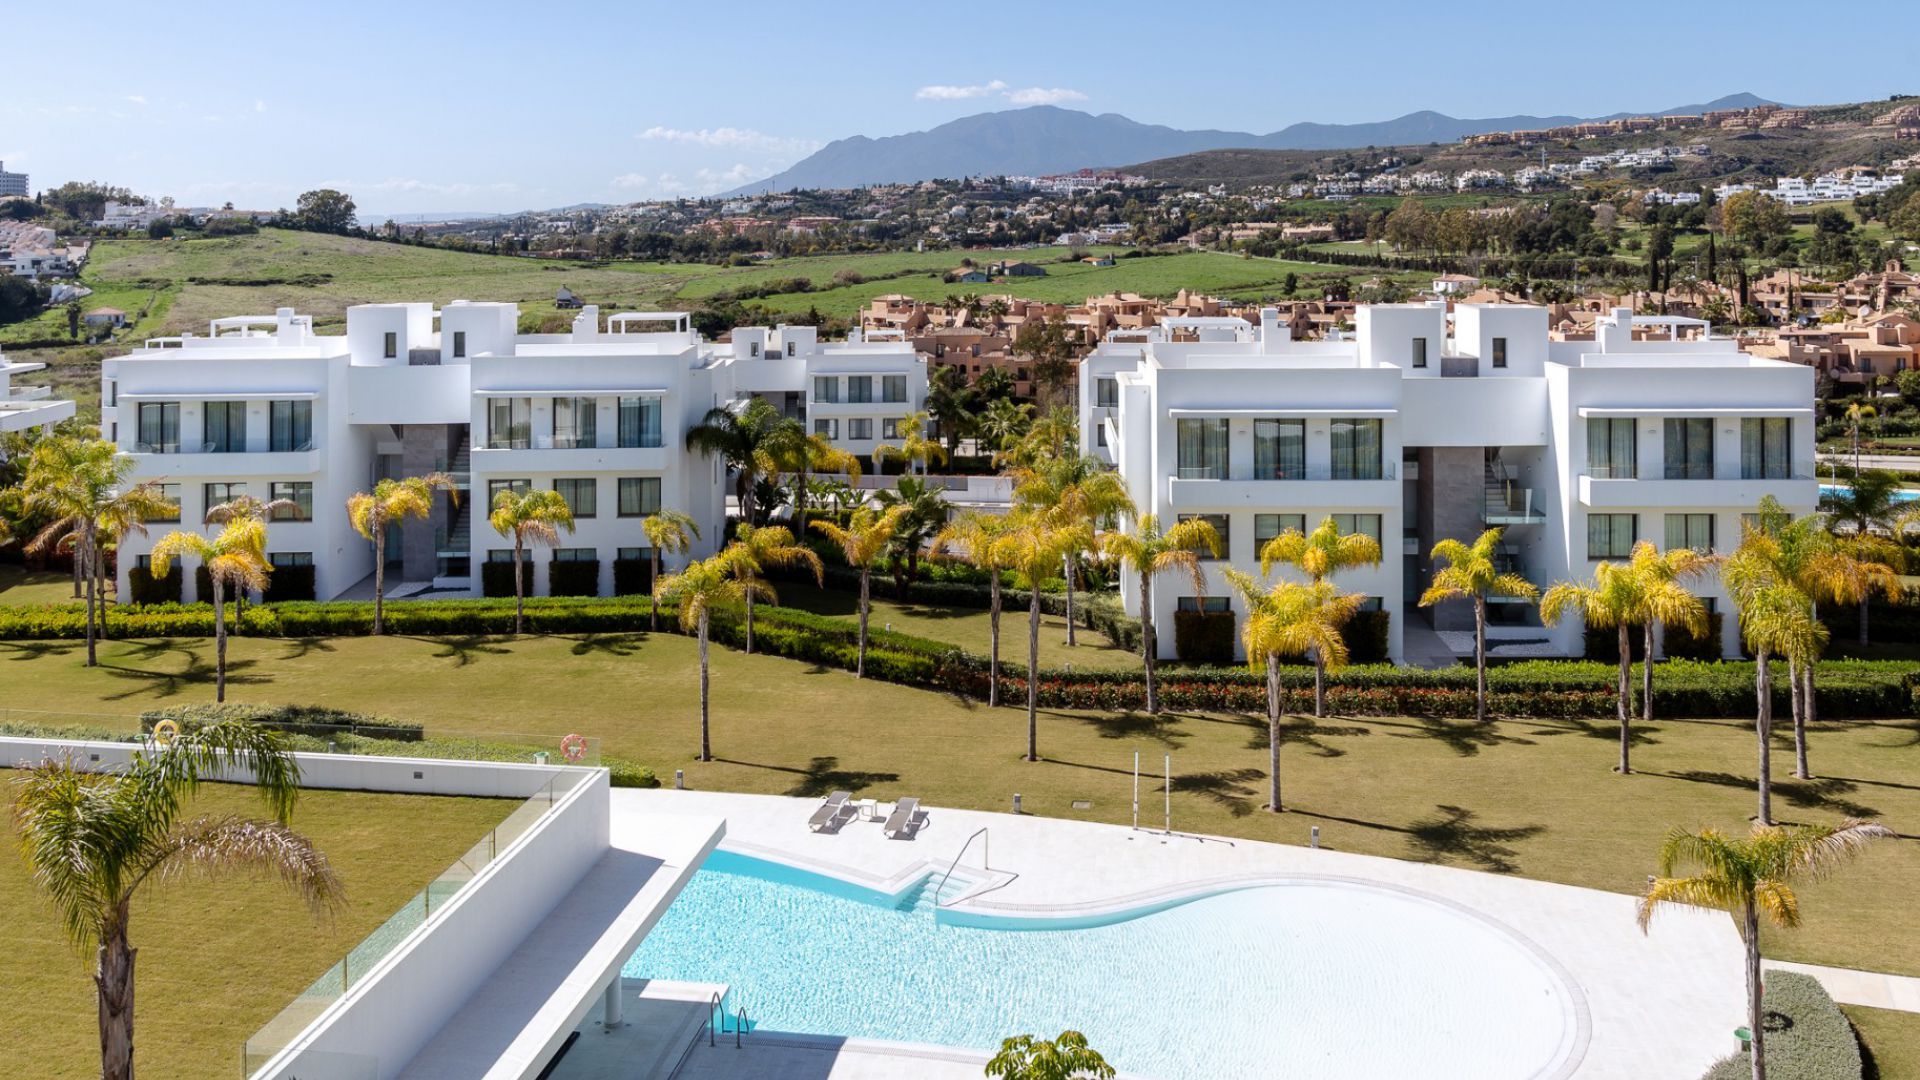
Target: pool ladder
[(717, 1008), (978, 834)]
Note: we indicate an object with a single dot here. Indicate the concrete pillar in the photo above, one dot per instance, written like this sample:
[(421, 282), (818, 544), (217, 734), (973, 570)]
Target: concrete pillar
[(615, 1003)]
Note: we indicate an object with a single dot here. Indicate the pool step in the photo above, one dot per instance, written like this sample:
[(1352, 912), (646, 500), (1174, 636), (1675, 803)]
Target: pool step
[(922, 896)]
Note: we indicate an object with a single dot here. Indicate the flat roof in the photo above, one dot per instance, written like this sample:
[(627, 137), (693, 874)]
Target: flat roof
[(1601, 412), (1287, 410)]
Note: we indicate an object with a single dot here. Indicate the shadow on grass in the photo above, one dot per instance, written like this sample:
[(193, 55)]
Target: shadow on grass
[(199, 671), (821, 776), (1452, 835), (466, 649), (1234, 789), (1464, 737), (299, 648), (1163, 729), (608, 644), (1822, 793), (1638, 734), (1307, 732), (36, 650)]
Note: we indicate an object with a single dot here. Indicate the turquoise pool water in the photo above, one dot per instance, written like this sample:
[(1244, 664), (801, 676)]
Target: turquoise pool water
[(1901, 496), (1299, 980)]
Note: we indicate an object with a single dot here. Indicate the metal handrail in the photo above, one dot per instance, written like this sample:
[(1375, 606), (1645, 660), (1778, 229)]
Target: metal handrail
[(984, 860), (713, 1009), (739, 1025)]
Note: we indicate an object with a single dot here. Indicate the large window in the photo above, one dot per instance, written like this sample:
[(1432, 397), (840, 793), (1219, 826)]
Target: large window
[(495, 487), (859, 389), (1689, 448), (1221, 527), (216, 494), (582, 496), (1766, 448), (1364, 524), (159, 427), (1609, 536), (1611, 447), (860, 427), (575, 554), (1690, 531), (1280, 449), (226, 427), (640, 422), (297, 492), (509, 423), (890, 427), (1211, 604), (826, 427), (893, 388), (639, 496), (1106, 392), (1356, 449), (290, 425), (290, 558), (171, 493), (575, 422), (1268, 526), (1202, 449), (826, 389)]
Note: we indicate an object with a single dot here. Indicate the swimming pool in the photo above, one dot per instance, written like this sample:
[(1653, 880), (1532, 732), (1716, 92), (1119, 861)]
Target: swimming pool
[(1307, 979)]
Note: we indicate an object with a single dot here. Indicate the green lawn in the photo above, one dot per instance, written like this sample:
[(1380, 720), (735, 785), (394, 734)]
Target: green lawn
[(968, 629), (1524, 797), (21, 586), (218, 960), (1892, 1038)]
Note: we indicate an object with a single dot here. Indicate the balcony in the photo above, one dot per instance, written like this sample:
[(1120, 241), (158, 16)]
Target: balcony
[(171, 460), (544, 454), (1608, 492), (1318, 489)]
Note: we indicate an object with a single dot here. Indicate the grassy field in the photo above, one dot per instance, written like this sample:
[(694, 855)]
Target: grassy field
[(218, 960), (968, 629), (1534, 798), (1892, 1038), (19, 585)]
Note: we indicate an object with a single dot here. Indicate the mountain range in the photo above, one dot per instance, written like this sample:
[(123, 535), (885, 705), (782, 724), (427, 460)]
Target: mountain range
[(1046, 139)]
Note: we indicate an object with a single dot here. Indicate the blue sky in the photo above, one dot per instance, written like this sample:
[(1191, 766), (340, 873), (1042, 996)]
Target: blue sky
[(415, 106)]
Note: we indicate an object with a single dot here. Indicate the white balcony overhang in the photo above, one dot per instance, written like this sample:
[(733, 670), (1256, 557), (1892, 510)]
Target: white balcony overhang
[(1280, 411), (571, 391), (221, 395), (1605, 412)]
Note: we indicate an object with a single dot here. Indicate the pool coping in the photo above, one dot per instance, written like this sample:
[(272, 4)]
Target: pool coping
[(969, 910)]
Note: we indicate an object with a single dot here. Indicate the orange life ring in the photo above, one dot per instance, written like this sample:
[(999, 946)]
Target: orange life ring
[(574, 747)]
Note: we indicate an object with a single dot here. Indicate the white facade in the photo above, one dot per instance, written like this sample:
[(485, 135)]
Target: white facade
[(1427, 426), (266, 407), (23, 407)]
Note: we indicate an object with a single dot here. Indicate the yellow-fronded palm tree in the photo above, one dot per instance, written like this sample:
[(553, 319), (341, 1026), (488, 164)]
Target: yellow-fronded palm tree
[(977, 533), (393, 502), (916, 449), (1148, 552), (671, 532), (1612, 599), (92, 840), (1829, 569), (1076, 494), (1667, 601), (235, 558), (1319, 555), (1291, 618), (757, 548), (697, 589), (798, 454), (528, 516), (864, 541), (1473, 573), (1776, 619), (1752, 877), (1033, 549)]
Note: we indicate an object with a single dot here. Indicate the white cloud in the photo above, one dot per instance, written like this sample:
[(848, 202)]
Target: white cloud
[(732, 138), (1037, 95), (739, 174), (959, 93), (411, 184), (645, 185), (137, 99), (259, 106)]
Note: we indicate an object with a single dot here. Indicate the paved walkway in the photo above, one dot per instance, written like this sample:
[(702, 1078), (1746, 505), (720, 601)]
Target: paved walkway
[(1872, 989)]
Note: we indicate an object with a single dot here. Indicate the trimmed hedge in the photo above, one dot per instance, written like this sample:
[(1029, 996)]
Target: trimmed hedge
[(1203, 637), (1808, 1037), (314, 720), (143, 588), (288, 583), (1366, 636), (573, 578), (496, 579), (1677, 642), (632, 577)]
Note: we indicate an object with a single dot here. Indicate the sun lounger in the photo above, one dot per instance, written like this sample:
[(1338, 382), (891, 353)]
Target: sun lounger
[(828, 816), (900, 823)]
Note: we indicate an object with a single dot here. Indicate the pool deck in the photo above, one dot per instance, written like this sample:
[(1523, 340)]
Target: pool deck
[(1659, 1004)]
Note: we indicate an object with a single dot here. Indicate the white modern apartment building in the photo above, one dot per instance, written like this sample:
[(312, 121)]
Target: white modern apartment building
[(265, 406), (1432, 423), (24, 407), (13, 183)]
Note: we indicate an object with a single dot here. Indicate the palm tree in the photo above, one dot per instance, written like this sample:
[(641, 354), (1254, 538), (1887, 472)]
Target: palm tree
[(393, 502), (799, 455), (1776, 619), (1033, 549), (745, 439), (696, 590), (926, 513), (1666, 602), (1870, 505), (669, 531), (916, 450), (529, 516), (1749, 877), (979, 533), (1319, 555), (82, 486), (1075, 492), (1005, 423), (1290, 618), (1856, 412), (757, 548), (1473, 573), (863, 542), (235, 558), (1148, 551), (1614, 597), (91, 842), (1068, 1057)]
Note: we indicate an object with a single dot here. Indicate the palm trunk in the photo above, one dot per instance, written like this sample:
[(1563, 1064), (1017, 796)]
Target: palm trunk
[(1756, 990), (1070, 568), (1273, 733), (993, 660), (113, 988), (1033, 673), (706, 743), (1763, 726), (1624, 706), (1146, 640), (800, 506), (380, 577), (519, 589), (1863, 613), (1801, 769), (1480, 658), (749, 584), (99, 578), (860, 664), (1319, 684), (1646, 677), (653, 599), (84, 554), (79, 570), (219, 640)]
